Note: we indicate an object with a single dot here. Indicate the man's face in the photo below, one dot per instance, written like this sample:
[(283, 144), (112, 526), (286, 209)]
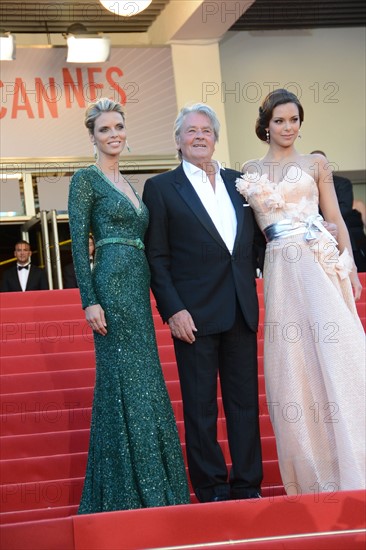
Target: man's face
[(22, 253), (196, 139)]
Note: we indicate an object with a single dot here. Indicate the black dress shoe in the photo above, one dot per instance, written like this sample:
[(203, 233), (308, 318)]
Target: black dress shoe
[(219, 498), (245, 496)]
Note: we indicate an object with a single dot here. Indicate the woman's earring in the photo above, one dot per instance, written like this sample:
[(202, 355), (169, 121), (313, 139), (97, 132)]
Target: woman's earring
[(128, 147), (267, 136), (95, 151), (299, 135)]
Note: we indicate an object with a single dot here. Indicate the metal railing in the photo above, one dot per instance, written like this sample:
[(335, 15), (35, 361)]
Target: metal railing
[(50, 245)]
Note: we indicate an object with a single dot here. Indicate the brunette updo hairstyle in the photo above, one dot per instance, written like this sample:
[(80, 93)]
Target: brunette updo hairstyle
[(273, 99), (103, 105)]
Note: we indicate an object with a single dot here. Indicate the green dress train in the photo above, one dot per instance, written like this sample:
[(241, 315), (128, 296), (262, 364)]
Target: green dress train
[(135, 459)]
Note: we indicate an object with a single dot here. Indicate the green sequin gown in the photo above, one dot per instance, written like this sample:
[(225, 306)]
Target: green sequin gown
[(135, 459)]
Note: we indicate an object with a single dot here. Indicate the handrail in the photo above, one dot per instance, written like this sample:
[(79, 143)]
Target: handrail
[(46, 248), (52, 216)]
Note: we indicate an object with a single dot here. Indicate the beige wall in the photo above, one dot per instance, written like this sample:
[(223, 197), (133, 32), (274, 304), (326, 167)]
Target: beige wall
[(325, 66)]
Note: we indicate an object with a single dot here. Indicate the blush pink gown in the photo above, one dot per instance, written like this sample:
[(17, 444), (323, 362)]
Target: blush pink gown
[(314, 351)]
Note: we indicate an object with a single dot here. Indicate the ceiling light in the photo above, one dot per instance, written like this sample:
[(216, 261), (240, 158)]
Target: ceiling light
[(86, 48), (125, 8), (7, 46)]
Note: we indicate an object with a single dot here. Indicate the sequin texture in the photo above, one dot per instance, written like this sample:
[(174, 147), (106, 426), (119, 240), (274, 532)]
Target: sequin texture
[(135, 459)]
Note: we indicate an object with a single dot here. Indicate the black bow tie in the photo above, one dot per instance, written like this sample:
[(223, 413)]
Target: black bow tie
[(23, 267)]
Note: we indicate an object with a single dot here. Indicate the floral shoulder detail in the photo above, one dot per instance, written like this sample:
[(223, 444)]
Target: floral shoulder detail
[(250, 184)]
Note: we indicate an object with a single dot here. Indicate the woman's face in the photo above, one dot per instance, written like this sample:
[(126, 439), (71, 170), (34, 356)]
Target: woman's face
[(109, 134), (284, 125)]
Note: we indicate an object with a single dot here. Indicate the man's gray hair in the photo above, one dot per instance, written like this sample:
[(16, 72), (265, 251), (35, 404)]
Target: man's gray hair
[(196, 108)]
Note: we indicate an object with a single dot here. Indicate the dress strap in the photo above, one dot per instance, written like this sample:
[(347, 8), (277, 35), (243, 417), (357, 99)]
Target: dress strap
[(137, 243)]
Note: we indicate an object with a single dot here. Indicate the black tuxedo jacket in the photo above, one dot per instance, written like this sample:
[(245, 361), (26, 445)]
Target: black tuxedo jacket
[(344, 191), (191, 267), (69, 276), (37, 280)]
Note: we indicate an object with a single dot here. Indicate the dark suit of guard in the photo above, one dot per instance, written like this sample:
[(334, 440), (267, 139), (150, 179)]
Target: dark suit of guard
[(69, 276), (37, 279), (344, 191), (191, 268)]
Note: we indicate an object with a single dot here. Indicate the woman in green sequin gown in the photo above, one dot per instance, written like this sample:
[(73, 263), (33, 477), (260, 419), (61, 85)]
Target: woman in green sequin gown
[(135, 459)]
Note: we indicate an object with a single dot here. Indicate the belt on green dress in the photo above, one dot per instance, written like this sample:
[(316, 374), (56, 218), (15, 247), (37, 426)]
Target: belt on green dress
[(286, 227), (137, 243)]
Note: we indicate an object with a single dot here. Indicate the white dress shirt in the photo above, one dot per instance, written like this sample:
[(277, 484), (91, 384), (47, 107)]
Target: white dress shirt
[(216, 201), (23, 275)]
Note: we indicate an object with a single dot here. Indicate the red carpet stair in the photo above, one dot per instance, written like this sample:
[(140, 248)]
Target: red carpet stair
[(47, 377)]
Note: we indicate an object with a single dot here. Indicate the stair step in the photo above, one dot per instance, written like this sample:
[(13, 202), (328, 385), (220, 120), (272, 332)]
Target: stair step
[(48, 362), (42, 494), (44, 420), (54, 337), (44, 331), (21, 516), (44, 444), (50, 420), (70, 465), (46, 383), (46, 313), (59, 387), (74, 411), (59, 344), (28, 482), (25, 446), (27, 516), (40, 298), (55, 400), (66, 398), (63, 378), (43, 381), (38, 468)]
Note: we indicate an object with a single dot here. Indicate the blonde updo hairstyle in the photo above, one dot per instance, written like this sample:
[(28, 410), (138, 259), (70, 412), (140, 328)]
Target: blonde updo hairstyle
[(103, 105)]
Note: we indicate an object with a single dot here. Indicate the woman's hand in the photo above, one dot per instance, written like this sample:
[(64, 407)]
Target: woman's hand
[(96, 319), (356, 285)]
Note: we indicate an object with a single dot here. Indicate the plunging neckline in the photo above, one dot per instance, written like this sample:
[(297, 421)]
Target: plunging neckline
[(111, 184)]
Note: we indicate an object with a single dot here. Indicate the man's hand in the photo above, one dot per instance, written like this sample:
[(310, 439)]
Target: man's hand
[(182, 326), (332, 228), (356, 285)]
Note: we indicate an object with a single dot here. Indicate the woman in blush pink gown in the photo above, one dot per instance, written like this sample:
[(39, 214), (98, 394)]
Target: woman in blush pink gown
[(314, 356)]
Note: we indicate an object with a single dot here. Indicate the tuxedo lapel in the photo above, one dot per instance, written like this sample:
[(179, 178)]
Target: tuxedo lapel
[(31, 279), (189, 195), (15, 279)]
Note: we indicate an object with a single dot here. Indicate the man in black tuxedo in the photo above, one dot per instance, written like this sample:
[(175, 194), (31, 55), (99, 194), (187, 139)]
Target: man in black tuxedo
[(23, 275), (200, 248), (69, 276), (344, 191)]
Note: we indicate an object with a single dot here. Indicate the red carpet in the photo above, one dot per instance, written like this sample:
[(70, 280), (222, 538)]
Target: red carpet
[(47, 377)]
